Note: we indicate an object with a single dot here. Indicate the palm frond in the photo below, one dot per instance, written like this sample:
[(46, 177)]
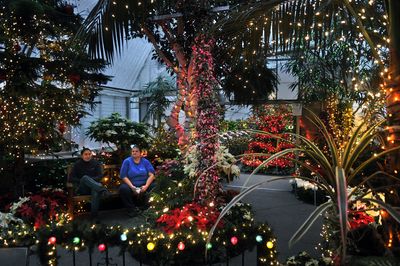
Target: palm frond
[(393, 212), (106, 28), (342, 205), (371, 160), (303, 229), (235, 200), (363, 142), (291, 25)]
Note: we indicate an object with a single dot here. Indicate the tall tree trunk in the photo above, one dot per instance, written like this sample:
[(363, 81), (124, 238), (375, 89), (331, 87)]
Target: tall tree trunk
[(173, 120), (207, 186), (393, 83)]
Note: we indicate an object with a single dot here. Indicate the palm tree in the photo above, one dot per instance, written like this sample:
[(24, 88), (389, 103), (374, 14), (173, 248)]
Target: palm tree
[(171, 27), (155, 94)]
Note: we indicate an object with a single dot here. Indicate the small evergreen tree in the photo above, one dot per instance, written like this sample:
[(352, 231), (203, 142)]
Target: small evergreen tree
[(46, 82)]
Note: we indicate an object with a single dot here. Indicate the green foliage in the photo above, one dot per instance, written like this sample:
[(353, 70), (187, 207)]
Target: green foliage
[(234, 137), (236, 142), (155, 95), (230, 125), (163, 146), (46, 174), (303, 258), (119, 131), (334, 70)]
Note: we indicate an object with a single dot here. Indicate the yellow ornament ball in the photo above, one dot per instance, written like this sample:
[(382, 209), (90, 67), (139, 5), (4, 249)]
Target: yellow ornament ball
[(151, 246), (270, 244)]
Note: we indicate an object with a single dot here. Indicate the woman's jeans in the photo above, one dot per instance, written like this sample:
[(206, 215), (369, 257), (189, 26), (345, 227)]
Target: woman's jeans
[(129, 198)]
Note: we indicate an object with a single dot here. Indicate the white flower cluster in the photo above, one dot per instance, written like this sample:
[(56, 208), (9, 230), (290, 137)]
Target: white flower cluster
[(304, 184), (225, 162), (18, 204), (233, 134), (7, 218)]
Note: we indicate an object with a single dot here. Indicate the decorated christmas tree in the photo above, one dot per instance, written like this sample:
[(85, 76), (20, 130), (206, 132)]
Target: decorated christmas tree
[(275, 120), (46, 80)]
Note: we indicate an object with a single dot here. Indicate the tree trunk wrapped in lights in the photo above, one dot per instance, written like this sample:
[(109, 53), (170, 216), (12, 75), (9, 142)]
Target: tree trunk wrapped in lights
[(207, 115)]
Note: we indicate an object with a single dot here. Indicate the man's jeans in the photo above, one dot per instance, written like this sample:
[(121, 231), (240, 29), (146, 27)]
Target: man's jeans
[(88, 186)]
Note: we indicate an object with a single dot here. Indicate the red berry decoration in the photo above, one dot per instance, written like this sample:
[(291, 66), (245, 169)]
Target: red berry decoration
[(17, 47), (52, 240), (181, 246), (68, 9), (234, 240), (62, 127), (101, 247), (74, 78)]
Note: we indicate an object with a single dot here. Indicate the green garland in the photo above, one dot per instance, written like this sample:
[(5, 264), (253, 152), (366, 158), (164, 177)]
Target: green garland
[(151, 244), (148, 245)]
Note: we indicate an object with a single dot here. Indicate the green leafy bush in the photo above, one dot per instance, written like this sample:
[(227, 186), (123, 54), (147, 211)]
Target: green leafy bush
[(119, 131)]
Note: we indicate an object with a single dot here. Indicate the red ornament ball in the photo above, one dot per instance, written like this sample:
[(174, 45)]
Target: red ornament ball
[(17, 47), (101, 247), (234, 240), (69, 9), (52, 240), (181, 246)]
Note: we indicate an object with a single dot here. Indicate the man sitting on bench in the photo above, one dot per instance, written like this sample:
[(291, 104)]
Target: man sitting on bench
[(88, 173), (137, 175)]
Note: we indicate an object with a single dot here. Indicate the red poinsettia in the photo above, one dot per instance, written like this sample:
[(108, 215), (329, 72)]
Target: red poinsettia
[(359, 218), (42, 207), (191, 214)]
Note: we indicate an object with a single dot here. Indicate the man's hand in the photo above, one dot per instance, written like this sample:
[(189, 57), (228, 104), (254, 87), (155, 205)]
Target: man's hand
[(144, 188)]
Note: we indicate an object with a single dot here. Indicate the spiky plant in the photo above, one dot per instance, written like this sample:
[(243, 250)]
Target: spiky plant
[(338, 167)]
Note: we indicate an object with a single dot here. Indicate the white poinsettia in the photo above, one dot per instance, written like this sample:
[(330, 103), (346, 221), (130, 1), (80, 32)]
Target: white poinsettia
[(7, 218), (18, 204), (225, 162)]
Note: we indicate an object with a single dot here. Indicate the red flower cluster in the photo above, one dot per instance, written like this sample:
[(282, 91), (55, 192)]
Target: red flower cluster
[(42, 207), (275, 121), (191, 214), (359, 218), (167, 167)]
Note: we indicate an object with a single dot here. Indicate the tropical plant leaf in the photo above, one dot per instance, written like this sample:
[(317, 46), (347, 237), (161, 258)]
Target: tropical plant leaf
[(370, 160), (271, 158), (395, 214), (363, 142), (341, 192), (235, 200), (309, 222)]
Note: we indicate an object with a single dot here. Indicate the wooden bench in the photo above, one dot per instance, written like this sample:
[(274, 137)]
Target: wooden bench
[(110, 181)]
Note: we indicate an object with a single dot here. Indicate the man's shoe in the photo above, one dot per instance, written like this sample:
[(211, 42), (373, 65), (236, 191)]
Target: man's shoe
[(105, 193)]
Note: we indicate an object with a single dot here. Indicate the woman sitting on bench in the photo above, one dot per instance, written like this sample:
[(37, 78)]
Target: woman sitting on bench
[(137, 175)]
